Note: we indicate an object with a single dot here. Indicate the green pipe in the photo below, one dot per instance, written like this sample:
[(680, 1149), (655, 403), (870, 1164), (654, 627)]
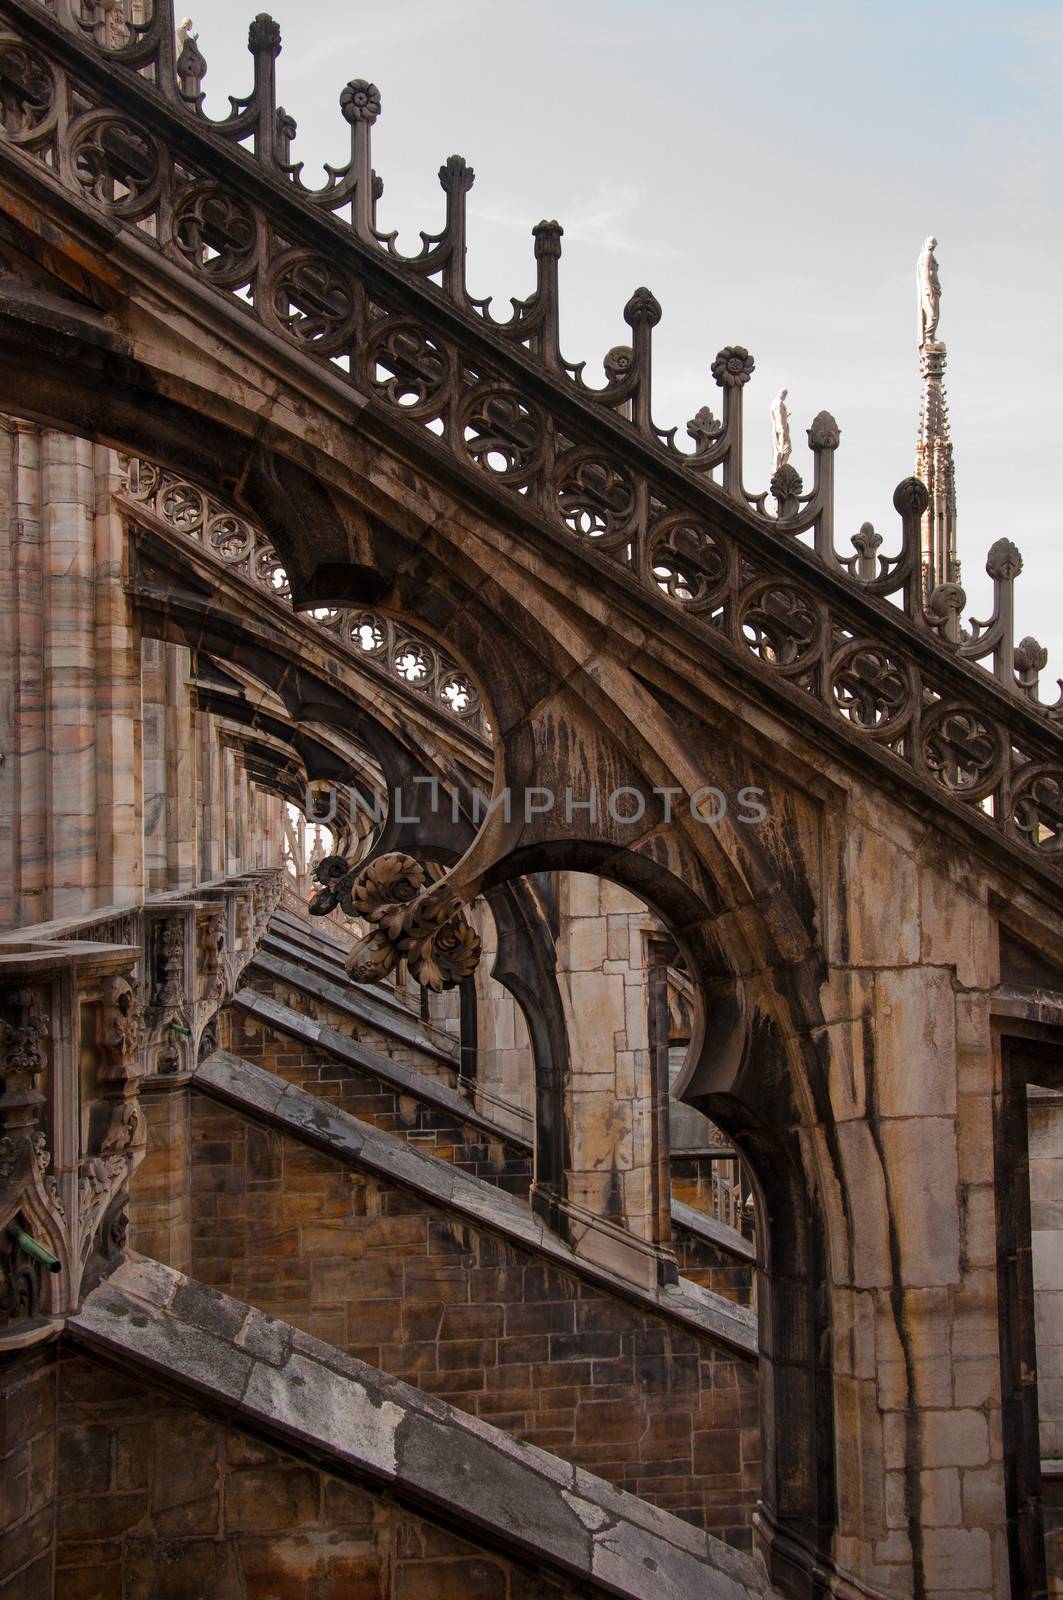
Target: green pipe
[(32, 1248)]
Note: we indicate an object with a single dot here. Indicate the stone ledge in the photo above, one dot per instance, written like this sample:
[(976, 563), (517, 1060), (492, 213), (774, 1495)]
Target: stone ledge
[(284, 958), (713, 1232), (267, 1376), (261, 1094), (685, 1217), (349, 1052)]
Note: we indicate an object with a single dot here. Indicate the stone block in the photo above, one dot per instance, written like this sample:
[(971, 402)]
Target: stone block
[(915, 1043), (873, 861), (957, 1559), (476, 1578), (920, 1154), (270, 1499), (158, 1569), (955, 1439)]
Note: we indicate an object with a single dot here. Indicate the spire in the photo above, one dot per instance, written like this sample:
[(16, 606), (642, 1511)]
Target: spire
[(933, 456)]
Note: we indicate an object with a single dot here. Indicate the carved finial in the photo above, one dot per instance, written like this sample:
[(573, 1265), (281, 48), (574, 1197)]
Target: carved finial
[(547, 239), (360, 101), (910, 497), (786, 486), (191, 64), (944, 610), (704, 428), (733, 367), (264, 36), (1003, 560), (781, 443), (454, 174), (867, 541), (1031, 657), (409, 918), (643, 309), (824, 434), (617, 362)]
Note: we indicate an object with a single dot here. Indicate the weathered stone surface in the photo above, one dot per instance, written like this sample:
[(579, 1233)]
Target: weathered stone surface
[(343, 1136), (351, 1416)]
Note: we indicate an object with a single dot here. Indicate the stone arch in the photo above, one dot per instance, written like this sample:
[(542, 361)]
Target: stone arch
[(558, 691)]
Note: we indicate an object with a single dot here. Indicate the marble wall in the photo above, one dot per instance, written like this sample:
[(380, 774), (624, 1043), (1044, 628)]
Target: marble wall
[(113, 784)]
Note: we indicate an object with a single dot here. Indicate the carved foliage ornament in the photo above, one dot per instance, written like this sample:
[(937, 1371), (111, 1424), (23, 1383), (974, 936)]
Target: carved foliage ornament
[(123, 1026), (407, 920), (360, 102), (733, 367), (20, 1281)]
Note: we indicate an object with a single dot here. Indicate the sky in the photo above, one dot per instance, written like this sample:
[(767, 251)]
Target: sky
[(770, 172)]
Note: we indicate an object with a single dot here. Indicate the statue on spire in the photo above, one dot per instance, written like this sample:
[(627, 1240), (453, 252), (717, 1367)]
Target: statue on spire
[(928, 289), (933, 457), (780, 431)]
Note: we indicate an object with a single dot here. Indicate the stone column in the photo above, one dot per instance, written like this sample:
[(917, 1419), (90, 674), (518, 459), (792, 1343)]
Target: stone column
[(505, 1069), (119, 837), (916, 1344), (181, 819), (616, 1206), (69, 839), (211, 784), (153, 690), (68, 498)]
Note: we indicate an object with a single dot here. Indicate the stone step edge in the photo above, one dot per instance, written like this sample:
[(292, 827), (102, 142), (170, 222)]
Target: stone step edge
[(277, 943), (351, 1053), (362, 1007), (310, 930), (264, 1097), (443, 1098), (713, 1231), (290, 964), (354, 1421)]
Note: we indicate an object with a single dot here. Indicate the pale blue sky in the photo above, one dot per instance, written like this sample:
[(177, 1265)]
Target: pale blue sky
[(770, 174)]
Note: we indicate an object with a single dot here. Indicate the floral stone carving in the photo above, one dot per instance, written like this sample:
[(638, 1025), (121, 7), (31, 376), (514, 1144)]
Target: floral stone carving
[(409, 919)]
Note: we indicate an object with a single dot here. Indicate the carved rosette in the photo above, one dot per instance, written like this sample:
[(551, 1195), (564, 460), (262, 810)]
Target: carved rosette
[(409, 919)]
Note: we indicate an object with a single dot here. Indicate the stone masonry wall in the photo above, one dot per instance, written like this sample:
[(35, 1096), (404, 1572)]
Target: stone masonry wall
[(384, 1044), (433, 1131), (1045, 1121), (160, 1200), (705, 1263), (461, 1313), (160, 1502), (27, 1473)]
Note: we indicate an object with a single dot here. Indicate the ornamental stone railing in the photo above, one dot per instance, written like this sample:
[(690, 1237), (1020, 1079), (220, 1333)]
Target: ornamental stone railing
[(390, 650), (92, 1008), (99, 103)]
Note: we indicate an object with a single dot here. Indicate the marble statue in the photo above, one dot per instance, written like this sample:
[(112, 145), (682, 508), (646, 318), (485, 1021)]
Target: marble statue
[(780, 431), (928, 288)]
